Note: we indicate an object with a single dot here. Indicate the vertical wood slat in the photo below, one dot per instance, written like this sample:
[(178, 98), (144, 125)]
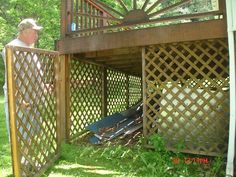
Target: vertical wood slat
[(72, 14), (58, 107), (90, 19), (12, 115), (127, 91), (77, 17), (104, 92), (62, 95), (145, 4), (86, 18), (94, 20), (134, 4), (144, 86), (81, 18), (64, 18), (68, 94)]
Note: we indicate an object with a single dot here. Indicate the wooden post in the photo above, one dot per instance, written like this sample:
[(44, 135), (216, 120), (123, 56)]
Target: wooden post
[(12, 115), (127, 90), (67, 95), (59, 119), (104, 92), (62, 96), (222, 7), (144, 92)]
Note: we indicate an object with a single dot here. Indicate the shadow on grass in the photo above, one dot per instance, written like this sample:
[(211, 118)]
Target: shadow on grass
[(88, 161)]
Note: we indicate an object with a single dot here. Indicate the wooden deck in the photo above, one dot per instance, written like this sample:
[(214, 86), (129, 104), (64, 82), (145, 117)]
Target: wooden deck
[(181, 61), (122, 50)]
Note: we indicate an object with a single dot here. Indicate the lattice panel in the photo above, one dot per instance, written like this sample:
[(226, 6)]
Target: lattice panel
[(135, 90), (85, 95), (35, 108), (187, 91), (116, 92)]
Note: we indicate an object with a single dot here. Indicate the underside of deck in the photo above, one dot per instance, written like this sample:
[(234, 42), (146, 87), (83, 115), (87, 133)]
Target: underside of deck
[(122, 50)]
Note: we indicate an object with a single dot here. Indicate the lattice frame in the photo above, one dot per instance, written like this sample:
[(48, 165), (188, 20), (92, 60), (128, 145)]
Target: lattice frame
[(33, 107), (116, 91), (135, 90), (85, 95), (186, 86), (107, 90)]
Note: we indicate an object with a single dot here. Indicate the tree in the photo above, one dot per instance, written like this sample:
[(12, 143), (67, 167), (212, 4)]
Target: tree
[(47, 12)]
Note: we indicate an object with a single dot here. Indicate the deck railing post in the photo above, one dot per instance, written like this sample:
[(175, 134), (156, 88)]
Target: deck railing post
[(63, 18)]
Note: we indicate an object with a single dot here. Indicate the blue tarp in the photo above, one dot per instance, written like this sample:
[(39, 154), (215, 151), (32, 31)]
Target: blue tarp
[(108, 121), (116, 124)]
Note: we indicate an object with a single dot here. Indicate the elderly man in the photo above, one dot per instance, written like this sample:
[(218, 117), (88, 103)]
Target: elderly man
[(27, 36)]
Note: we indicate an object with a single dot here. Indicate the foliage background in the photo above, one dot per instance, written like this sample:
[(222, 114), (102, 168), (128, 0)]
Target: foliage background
[(46, 12)]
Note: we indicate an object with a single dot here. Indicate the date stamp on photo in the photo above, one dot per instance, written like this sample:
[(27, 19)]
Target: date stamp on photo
[(190, 160)]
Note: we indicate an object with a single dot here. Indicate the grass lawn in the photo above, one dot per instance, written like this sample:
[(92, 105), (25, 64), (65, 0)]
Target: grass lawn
[(112, 160), (5, 152)]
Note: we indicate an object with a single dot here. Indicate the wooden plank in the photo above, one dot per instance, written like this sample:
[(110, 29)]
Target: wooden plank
[(134, 4), (127, 91), (104, 5), (62, 96), (165, 34), (63, 18), (124, 61), (12, 114), (168, 8), (91, 16), (145, 4), (114, 53), (123, 6), (67, 96), (144, 95), (104, 92), (153, 6)]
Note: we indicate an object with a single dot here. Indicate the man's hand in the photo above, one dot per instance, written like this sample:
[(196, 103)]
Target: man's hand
[(25, 104)]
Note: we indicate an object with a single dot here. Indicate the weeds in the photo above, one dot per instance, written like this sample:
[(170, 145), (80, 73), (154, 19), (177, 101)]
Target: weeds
[(116, 160)]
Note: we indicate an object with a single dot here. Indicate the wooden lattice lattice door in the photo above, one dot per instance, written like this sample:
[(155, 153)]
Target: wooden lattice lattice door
[(186, 93), (33, 109)]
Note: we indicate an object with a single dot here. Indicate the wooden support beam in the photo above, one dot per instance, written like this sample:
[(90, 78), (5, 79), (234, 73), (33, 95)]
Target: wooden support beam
[(67, 96), (163, 34), (63, 95), (104, 92)]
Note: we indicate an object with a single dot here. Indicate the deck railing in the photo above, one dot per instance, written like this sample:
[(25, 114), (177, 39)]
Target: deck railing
[(90, 17)]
